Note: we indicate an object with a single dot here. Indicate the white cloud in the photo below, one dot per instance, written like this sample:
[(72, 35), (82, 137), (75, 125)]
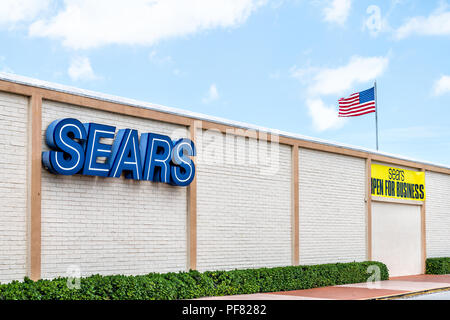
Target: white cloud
[(12, 11), (324, 117), (80, 69), (438, 23), (324, 81), (304, 74), (337, 11), (85, 24), (159, 60), (212, 95), (336, 81), (442, 85)]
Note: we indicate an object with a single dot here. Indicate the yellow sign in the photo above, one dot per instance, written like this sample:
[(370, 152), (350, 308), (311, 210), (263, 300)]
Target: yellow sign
[(390, 182)]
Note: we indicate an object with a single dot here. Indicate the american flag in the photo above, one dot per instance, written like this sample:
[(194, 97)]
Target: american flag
[(357, 104)]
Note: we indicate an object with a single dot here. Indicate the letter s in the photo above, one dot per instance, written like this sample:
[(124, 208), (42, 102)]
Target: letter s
[(182, 169), (67, 154)]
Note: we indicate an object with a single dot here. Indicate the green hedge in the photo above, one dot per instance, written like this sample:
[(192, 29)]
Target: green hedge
[(438, 266), (192, 284)]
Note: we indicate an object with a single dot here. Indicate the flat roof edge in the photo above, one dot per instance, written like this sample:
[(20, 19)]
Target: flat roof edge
[(194, 115)]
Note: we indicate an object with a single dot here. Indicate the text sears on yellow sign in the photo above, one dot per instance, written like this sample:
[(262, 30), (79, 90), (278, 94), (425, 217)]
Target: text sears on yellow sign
[(390, 182)]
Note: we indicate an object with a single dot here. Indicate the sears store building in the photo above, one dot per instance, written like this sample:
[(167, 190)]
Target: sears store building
[(109, 185)]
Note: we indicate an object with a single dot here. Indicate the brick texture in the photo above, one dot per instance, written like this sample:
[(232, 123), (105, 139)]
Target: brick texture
[(437, 214), (111, 225), (13, 186), (243, 213), (332, 211)]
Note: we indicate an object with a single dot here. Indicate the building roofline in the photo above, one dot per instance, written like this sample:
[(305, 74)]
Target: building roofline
[(194, 115)]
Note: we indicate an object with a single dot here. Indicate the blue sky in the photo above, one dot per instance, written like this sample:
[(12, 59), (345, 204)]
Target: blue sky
[(273, 63)]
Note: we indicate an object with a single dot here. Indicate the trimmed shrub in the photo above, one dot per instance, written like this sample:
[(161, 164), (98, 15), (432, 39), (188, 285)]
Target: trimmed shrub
[(437, 266), (192, 284)]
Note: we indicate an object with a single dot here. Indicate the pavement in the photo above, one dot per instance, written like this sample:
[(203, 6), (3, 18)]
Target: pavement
[(394, 287), (440, 295)]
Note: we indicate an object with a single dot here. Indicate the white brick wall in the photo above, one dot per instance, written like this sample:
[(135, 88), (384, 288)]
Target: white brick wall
[(243, 216), (332, 211), (13, 186), (109, 225), (437, 213), (112, 226)]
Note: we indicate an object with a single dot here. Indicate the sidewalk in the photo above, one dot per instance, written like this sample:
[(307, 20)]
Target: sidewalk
[(393, 287)]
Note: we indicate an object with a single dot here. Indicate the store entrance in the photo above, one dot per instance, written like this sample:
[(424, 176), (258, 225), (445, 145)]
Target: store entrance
[(397, 237)]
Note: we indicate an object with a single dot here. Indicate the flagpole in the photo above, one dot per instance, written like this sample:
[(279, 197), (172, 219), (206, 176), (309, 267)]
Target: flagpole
[(376, 110)]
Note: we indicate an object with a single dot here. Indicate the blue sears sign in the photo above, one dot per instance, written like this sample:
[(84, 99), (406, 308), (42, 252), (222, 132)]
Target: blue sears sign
[(76, 148)]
